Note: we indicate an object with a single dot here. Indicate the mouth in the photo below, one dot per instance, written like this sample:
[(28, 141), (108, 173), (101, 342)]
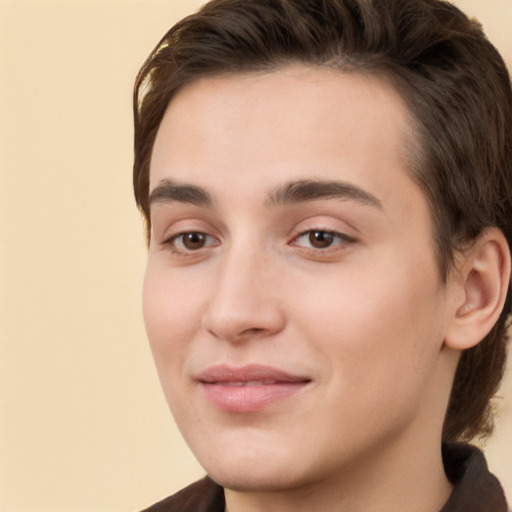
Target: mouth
[(249, 388)]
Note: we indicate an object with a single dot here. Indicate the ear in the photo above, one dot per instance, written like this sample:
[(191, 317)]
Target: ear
[(482, 281)]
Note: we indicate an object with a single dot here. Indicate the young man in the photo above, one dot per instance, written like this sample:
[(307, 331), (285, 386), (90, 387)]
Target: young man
[(327, 188)]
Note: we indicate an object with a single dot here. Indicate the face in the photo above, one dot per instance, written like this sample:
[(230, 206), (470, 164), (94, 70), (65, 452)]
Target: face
[(292, 299)]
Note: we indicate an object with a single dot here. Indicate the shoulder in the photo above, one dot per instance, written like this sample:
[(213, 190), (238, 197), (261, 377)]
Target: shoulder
[(202, 496)]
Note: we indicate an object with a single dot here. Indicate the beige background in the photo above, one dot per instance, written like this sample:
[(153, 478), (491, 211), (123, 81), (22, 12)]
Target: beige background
[(83, 424)]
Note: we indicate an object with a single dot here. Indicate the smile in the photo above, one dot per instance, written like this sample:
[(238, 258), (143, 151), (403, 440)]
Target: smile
[(250, 388)]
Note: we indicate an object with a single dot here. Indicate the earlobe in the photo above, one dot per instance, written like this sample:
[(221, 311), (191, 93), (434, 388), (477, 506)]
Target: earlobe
[(484, 277)]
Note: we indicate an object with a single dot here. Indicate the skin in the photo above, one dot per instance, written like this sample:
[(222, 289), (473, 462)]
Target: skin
[(364, 317)]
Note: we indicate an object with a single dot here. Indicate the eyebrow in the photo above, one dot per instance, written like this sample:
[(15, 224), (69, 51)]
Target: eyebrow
[(288, 193), (167, 191), (310, 190)]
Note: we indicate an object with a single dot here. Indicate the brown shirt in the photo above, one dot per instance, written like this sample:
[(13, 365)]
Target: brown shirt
[(475, 489)]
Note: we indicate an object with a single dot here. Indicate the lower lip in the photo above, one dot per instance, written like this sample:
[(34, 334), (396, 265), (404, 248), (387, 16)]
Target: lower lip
[(249, 398)]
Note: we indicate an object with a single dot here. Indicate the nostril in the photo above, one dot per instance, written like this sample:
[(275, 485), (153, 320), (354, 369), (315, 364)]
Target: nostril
[(240, 308), (252, 333)]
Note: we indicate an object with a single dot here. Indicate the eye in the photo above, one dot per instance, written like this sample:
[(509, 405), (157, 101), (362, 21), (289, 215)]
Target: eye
[(190, 241), (321, 239)]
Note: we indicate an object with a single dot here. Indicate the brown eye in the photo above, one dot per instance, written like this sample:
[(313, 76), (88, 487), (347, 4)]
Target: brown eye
[(193, 241), (320, 239), (190, 241)]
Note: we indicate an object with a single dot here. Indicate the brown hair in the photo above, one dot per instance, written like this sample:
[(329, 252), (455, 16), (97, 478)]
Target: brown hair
[(453, 79)]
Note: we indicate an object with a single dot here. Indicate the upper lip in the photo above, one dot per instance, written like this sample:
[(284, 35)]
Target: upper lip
[(249, 373)]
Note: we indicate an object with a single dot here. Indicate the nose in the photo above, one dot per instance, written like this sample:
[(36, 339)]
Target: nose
[(244, 302)]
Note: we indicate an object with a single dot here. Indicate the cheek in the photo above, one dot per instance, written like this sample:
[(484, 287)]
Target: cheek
[(375, 325), (170, 316)]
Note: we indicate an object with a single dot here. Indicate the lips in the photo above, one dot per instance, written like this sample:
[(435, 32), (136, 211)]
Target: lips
[(249, 388)]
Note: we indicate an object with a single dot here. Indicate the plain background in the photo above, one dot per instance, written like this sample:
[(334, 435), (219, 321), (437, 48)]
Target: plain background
[(83, 423)]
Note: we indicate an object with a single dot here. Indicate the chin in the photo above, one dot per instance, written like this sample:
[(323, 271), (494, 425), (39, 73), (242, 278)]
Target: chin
[(267, 472), (262, 479), (249, 459)]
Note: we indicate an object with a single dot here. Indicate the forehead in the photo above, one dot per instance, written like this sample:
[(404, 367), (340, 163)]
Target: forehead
[(295, 122)]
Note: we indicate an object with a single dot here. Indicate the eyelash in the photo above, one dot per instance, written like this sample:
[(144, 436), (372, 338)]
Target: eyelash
[(333, 240), (183, 251), (342, 239)]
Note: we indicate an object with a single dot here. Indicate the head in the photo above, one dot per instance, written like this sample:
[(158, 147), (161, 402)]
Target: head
[(451, 79)]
